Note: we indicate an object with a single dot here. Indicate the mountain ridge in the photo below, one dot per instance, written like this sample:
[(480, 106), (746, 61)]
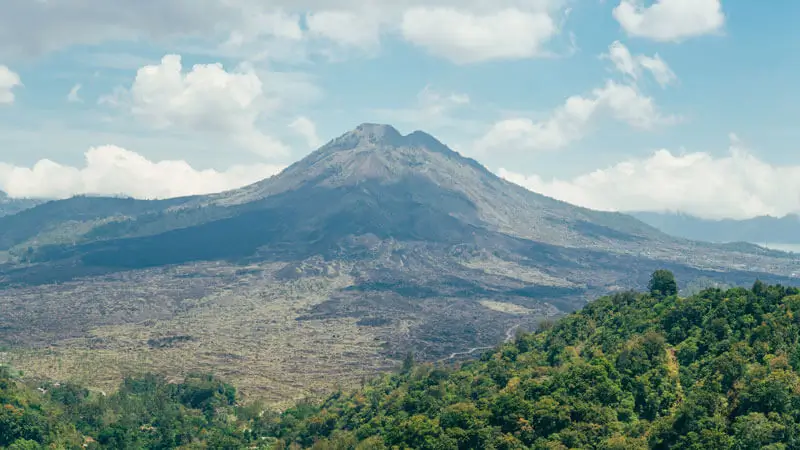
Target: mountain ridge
[(758, 230)]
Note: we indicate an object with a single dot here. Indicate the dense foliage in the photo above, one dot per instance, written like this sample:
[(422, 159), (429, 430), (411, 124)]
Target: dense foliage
[(717, 370), (146, 412)]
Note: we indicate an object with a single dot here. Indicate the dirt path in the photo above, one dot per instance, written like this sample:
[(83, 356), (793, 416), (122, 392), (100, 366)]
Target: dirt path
[(510, 333)]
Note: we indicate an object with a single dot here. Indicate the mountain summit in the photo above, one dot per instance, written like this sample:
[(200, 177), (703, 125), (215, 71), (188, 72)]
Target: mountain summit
[(378, 162), (369, 152)]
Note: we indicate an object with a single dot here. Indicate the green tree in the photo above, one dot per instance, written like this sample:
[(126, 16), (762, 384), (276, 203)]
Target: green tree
[(408, 362), (662, 284), (24, 444)]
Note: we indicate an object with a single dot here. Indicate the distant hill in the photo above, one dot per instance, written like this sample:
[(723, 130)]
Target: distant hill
[(375, 244), (9, 206), (758, 230)]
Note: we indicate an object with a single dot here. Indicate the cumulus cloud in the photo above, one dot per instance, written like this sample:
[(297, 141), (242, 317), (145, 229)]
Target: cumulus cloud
[(571, 121), (307, 129), (111, 170), (8, 81), (207, 98), (74, 96), (670, 20), (467, 37), (737, 185), (632, 66), (346, 28)]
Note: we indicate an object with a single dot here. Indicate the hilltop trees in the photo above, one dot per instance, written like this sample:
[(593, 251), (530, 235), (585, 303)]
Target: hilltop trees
[(662, 284), (717, 370)]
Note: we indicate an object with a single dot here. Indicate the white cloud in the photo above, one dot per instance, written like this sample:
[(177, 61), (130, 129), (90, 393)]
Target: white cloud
[(670, 20), (571, 121), (305, 128), (112, 170), (632, 66), (623, 60), (277, 23), (205, 99), (73, 96), (737, 185), (660, 70), (346, 28), (8, 81), (468, 37)]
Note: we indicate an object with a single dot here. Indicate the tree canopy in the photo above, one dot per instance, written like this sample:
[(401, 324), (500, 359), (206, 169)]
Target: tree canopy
[(663, 284)]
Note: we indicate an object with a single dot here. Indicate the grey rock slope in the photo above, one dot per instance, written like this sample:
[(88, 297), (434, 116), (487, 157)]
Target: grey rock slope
[(379, 154)]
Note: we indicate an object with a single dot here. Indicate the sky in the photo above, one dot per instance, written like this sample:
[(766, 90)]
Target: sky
[(622, 105)]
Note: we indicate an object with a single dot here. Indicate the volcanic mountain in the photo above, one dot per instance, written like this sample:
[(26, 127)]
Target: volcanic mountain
[(369, 185), (396, 238)]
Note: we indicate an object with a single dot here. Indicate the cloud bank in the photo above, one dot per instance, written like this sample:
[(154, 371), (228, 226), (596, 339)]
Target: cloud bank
[(736, 186), (111, 170), (571, 121)]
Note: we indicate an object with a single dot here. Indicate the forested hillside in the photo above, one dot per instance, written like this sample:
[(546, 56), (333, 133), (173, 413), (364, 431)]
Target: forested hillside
[(718, 370)]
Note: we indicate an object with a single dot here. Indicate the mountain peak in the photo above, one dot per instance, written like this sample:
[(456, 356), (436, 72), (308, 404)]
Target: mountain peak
[(374, 133), (377, 129)]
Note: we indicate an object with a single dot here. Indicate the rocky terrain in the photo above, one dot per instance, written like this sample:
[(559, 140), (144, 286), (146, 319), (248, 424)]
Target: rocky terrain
[(375, 245)]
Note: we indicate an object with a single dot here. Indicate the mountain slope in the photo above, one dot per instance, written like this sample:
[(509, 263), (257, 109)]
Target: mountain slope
[(378, 152), (69, 220), (367, 179), (758, 230), (375, 244)]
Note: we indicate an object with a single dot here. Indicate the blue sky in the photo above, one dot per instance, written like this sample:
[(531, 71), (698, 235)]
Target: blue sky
[(684, 105)]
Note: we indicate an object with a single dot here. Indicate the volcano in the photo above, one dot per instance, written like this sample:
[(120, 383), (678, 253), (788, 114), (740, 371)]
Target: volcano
[(398, 236)]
